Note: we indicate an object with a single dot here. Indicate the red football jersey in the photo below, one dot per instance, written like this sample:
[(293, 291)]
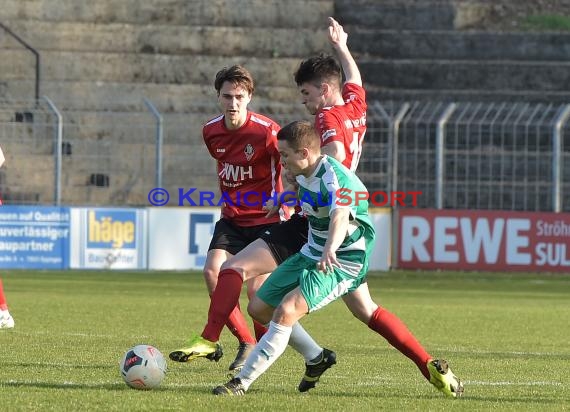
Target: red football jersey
[(345, 124), (249, 171)]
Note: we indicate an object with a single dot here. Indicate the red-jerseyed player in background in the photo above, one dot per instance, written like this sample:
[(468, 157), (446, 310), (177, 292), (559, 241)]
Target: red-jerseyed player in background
[(6, 320), (244, 145)]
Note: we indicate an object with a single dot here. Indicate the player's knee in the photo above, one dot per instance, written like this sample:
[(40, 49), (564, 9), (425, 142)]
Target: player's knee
[(210, 273), (235, 266), (259, 310), (362, 315), (288, 312), (211, 279), (362, 310)]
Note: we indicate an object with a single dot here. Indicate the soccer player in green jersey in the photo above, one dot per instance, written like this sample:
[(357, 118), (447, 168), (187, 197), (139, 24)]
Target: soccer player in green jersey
[(333, 262), (340, 112)]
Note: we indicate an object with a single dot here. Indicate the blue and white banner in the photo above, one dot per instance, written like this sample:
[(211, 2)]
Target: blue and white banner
[(179, 237), (34, 237), (108, 238)]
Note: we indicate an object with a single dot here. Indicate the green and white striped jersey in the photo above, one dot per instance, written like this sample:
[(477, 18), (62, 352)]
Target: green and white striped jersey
[(333, 186)]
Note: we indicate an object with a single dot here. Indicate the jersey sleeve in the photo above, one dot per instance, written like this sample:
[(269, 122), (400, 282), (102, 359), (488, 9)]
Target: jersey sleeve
[(207, 141), (329, 127), (271, 145), (273, 150), (355, 95)]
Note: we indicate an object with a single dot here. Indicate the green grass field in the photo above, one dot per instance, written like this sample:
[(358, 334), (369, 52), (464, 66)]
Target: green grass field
[(506, 335)]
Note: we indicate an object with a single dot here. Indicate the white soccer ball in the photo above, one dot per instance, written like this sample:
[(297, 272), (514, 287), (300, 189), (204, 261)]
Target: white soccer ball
[(143, 367)]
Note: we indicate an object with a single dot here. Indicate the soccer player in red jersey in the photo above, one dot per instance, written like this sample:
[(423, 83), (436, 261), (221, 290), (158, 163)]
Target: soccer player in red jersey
[(6, 320), (244, 145)]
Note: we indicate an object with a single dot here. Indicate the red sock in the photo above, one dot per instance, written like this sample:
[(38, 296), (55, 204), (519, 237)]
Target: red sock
[(238, 326), (259, 330), (397, 334), (3, 304), (224, 309)]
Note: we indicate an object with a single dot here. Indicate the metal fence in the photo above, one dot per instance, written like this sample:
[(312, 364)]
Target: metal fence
[(28, 136), (502, 156)]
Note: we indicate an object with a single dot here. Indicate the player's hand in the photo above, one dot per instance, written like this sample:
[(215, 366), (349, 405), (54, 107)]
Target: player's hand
[(328, 262), (337, 35), (271, 208)]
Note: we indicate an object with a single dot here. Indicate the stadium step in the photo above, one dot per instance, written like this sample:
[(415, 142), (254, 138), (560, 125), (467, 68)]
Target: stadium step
[(385, 94), (466, 74), (250, 13), (460, 45), (413, 14), (145, 68), (262, 42), (128, 96)]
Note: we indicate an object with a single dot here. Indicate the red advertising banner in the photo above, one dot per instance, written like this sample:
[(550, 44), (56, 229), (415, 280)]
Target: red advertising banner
[(483, 240)]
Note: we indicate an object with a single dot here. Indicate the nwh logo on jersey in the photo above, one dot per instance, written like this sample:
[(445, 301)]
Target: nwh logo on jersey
[(111, 229), (235, 173)]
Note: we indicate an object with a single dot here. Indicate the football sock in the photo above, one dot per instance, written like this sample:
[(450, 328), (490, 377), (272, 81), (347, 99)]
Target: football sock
[(397, 334), (317, 359), (268, 349), (303, 343), (3, 304), (238, 326), (259, 330), (224, 309)]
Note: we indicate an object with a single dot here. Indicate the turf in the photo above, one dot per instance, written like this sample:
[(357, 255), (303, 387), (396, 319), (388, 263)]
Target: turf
[(505, 335)]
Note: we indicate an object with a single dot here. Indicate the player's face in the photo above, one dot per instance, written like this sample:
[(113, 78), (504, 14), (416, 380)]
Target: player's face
[(312, 97), (233, 100), (292, 160)]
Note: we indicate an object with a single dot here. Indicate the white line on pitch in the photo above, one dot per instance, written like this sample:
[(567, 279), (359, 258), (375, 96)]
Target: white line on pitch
[(516, 353), (539, 383), (77, 334)]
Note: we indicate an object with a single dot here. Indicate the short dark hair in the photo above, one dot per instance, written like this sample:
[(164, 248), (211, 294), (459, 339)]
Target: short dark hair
[(300, 134), (318, 70), (238, 75)]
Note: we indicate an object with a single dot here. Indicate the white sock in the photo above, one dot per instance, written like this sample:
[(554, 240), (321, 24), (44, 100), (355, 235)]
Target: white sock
[(303, 343), (268, 349)]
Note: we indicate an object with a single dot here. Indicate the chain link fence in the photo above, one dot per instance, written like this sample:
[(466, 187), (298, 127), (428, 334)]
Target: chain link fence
[(28, 136), (501, 156)]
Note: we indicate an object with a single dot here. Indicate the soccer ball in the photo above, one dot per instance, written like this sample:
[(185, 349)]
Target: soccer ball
[(143, 367)]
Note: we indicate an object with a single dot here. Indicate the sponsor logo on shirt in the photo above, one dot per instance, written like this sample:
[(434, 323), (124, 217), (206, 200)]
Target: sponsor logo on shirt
[(235, 173)]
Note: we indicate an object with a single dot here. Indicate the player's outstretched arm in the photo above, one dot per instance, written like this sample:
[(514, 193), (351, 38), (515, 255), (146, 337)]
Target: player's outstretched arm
[(338, 39)]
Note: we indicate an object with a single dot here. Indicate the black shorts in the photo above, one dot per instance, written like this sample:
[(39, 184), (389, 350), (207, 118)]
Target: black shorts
[(286, 238), (232, 238)]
